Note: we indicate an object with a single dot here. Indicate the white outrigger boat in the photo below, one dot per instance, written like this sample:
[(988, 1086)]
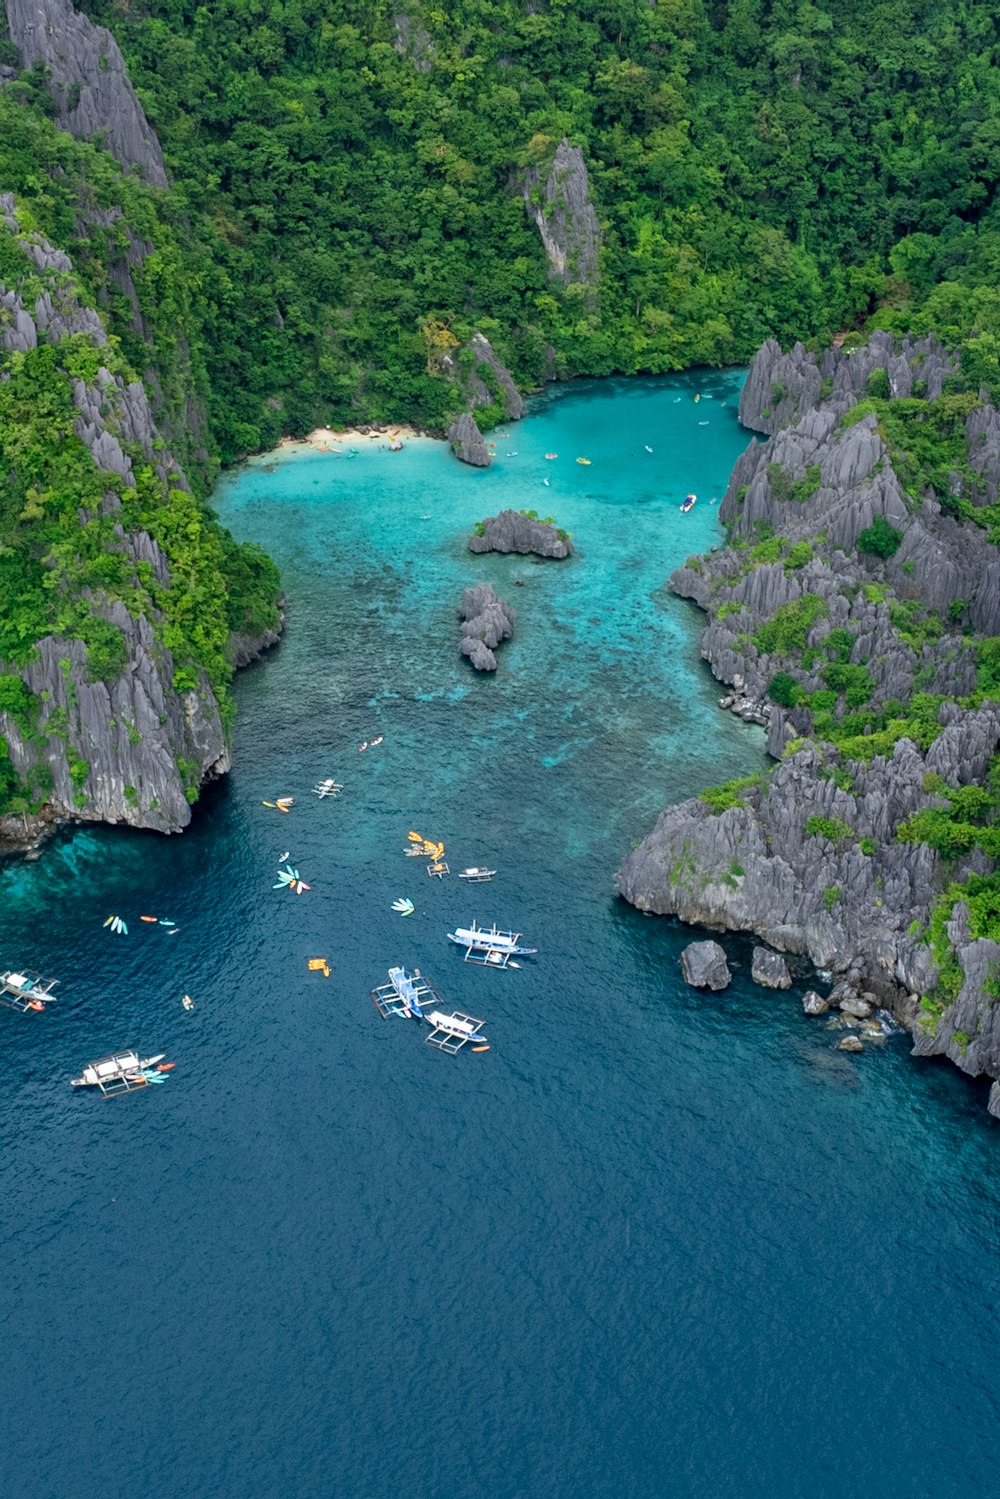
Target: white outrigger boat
[(122, 1072), (329, 787), (26, 991), (451, 1032), (478, 875), (492, 948)]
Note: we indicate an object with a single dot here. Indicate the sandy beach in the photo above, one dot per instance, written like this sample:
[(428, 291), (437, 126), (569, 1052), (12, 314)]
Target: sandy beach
[(327, 440)]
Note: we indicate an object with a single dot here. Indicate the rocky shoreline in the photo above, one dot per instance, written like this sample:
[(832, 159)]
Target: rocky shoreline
[(865, 670)]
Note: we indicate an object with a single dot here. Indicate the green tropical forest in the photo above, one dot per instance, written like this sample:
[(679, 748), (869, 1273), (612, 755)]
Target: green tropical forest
[(347, 173), (350, 194)]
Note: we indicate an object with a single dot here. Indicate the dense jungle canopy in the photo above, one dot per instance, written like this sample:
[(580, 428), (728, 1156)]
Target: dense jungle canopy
[(345, 172)]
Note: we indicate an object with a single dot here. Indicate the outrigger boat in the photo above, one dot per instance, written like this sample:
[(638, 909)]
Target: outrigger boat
[(403, 993), (451, 1032), (329, 787), (477, 875), (491, 949), (122, 1072), (26, 991)]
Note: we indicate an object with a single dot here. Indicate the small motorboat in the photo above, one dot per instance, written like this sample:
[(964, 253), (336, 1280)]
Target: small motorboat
[(478, 874), (690, 500)]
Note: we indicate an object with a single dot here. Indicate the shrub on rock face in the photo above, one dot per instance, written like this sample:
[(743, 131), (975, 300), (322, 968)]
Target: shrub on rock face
[(783, 690), (878, 384), (880, 539)]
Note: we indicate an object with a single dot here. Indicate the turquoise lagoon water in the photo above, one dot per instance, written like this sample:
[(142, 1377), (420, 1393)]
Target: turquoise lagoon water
[(652, 1243)]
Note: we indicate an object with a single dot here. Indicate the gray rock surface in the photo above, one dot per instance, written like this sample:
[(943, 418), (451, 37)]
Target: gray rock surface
[(146, 745), (467, 442), (855, 899), (704, 966), (781, 389), (561, 210), (814, 1004), (483, 377), (770, 969), (510, 531), (243, 649), (487, 621), (131, 732), (88, 81), (413, 41), (850, 1043)]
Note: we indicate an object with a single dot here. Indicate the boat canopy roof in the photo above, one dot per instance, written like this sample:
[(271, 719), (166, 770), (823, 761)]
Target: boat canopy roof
[(122, 1061), (476, 938), (450, 1023), (19, 980)]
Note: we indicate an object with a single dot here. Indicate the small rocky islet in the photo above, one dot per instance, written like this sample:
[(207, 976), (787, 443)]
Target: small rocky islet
[(486, 618), (855, 612)]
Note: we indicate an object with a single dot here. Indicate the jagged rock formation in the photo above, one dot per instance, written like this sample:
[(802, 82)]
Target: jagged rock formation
[(487, 622), (809, 858), (133, 748), (510, 531), (243, 648), (704, 966), (88, 81), (413, 41), (782, 388), (484, 381), (770, 969), (131, 733), (564, 216), (467, 442)]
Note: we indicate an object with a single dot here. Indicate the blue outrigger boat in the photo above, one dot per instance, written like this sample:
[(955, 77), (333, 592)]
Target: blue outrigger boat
[(490, 948), (403, 994)]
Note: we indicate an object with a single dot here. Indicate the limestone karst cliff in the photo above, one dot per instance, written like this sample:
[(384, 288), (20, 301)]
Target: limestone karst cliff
[(118, 611), (855, 612), (88, 82), (558, 202)]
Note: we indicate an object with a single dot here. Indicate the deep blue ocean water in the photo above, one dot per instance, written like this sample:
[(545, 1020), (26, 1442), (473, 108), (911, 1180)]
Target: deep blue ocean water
[(653, 1243)]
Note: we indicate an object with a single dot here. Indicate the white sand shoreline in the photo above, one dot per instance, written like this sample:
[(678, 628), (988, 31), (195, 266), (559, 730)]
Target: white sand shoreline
[(325, 439)]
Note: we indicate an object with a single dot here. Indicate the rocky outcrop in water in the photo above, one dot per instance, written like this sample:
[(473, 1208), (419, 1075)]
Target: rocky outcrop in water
[(770, 970), (814, 857), (484, 382), (561, 210), (513, 531), (487, 621), (704, 966), (467, 442), (88, 81)]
